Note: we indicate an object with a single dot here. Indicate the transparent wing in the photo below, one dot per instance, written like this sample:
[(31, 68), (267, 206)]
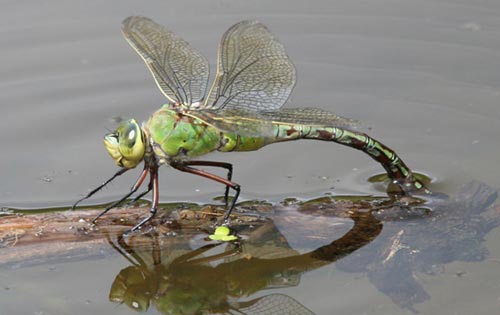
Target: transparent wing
[(253, 71), (180, 72), (236, 121), (261, 124), (309, 116), (273, 304)]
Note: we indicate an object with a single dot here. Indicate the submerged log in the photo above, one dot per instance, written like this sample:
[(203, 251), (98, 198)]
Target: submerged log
[(27, 239), (32, 238)]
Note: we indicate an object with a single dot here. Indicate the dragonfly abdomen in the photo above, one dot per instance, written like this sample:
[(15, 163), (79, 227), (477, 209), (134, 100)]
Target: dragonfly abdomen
[(395, 167), (232, 142)]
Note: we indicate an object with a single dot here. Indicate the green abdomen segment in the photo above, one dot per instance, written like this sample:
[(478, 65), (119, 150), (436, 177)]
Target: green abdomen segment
[(232, 142)]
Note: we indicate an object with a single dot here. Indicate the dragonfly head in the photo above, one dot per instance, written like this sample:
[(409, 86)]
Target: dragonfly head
[(126, 144)]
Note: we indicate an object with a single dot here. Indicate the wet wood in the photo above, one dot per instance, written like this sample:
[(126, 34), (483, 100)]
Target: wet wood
[(27, 239)]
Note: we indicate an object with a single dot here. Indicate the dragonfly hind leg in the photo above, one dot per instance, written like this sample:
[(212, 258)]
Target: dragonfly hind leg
[(227, 166), (185, 167)]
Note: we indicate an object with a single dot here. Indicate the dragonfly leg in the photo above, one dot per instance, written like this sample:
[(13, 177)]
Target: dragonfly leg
[(185, 259), (227, 166), (134, 188), (153, 173), (192, 254), (120, 172), (185, 168), (142, 194)]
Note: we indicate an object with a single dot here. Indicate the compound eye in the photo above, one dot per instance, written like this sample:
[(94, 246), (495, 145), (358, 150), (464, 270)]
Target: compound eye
[(129, 135), (130, 141)]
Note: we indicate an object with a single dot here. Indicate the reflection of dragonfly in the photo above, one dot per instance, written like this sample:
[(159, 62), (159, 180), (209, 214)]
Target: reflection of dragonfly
[(178, 280), (242, 111)]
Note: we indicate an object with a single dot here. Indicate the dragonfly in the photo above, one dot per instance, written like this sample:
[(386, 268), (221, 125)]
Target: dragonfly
[(242, 111)]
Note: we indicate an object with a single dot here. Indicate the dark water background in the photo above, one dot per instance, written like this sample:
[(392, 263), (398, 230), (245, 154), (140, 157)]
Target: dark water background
[(423, 75)]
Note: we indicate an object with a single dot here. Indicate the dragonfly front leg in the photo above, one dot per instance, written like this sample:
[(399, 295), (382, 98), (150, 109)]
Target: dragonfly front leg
[(229, 184), (120, 172), (134, 188), (225, 165)]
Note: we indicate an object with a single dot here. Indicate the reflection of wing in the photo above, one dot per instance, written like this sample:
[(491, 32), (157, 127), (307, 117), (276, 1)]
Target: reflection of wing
[(260, 124), (180, 72), (273, 304), (253, 70)]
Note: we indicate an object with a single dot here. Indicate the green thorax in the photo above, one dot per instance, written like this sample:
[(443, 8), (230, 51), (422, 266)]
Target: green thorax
[(176, 136)]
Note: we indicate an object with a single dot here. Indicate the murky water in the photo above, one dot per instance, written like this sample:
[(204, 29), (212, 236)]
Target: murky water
[(424, 76)]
